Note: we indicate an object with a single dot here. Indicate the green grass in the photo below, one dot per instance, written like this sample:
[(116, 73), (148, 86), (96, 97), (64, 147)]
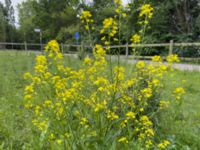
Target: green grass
[(15, 132), (184, 127)]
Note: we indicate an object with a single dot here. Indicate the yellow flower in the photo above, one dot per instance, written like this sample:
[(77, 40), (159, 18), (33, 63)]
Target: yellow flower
[(102, 31), (29, 89), (123, 123), (156, 58), (179, 90), (28, 105), (99, 51), (145, 120), (140, 65), (47, 75), (123, 140), (40, 59), (42, 125), (163, 144), (119, 73), (59, 141), (52, 136), (85, 15), (107, 43), (149, 132), (130, 83), (27, 97), (84, 121), (124, 15), (148, 143), (147, 92), (87, 61), (172, 58), (130, 115), (111, 115), (164, 104), (52, 47), (155, 82), (86, 27), (136, 38), (117, 11), (118, 2), (100, 81), (110, 28), (146, 10), (108, 22), (100, 106), (27, 76)]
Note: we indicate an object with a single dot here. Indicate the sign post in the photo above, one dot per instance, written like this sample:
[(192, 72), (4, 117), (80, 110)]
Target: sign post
[(39, 31), (77, 37)]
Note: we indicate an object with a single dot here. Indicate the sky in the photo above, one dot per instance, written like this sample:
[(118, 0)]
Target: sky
[(15, 2)]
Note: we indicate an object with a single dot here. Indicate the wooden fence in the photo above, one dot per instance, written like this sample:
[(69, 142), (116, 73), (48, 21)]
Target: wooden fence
[(170, 46)]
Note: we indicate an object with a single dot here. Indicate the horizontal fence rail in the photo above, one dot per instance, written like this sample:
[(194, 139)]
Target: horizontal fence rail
[(39, 47)]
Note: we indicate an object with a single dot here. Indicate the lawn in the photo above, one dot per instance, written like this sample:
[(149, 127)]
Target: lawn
[(183, 128)]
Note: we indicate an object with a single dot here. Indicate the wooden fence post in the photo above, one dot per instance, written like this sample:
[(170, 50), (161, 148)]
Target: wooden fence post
[(25, 46), (171, 47), (127, 51)]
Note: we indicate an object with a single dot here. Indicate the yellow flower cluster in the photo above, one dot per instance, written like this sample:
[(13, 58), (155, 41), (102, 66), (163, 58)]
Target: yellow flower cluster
[(86, 19), (145, 14), (164, 104), (53, 50), (164, 144), (146, 10), (178, 92), (77, 108), (119, 9), (88, 102), (109, 30), (156, 58), (86, 15), (123, 140), (173, 58), (135, 39)]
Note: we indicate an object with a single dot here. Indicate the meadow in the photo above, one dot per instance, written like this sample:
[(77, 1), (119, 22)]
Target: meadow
[(180, 125)]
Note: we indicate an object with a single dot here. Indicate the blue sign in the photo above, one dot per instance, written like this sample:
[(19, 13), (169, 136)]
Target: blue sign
[(77, 36)]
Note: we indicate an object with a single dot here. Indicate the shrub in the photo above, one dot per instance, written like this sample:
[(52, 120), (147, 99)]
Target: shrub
[(95, 106), (98, 106)]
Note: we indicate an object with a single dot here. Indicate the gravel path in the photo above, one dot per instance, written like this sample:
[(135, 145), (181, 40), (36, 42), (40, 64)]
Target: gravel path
[(187, 67)]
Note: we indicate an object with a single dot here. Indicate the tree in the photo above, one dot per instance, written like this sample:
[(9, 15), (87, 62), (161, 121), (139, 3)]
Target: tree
[(52, 16), (10, 21), (26, 18), (2, 23)]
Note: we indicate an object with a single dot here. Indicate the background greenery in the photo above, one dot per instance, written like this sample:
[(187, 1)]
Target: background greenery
[(173, 19), (177, 20)]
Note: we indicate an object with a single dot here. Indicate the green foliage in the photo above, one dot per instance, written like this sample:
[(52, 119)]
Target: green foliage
[(50, 16), (2, 23), (7, 23)]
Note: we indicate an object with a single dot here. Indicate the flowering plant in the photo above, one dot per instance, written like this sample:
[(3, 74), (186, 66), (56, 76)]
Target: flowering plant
[(97, 105)]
